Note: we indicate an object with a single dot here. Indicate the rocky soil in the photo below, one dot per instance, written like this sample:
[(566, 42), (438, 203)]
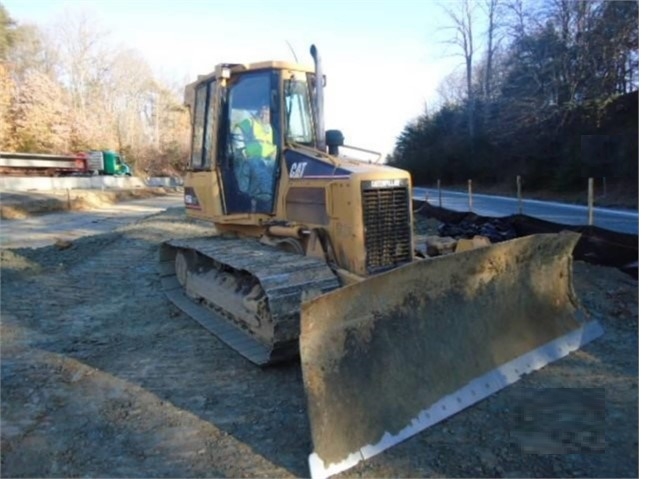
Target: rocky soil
[(101, 376)]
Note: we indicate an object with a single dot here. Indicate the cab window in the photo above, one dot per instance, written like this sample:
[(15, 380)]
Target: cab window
[(202, 137), (298, 112)]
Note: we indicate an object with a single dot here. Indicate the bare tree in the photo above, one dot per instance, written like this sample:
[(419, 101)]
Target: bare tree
[(452, 90), (461, 35), (39, 116), (129, 90), (31, 53), (7, 28), (519, 17), (85, 56), (6, 89), (493, 11)]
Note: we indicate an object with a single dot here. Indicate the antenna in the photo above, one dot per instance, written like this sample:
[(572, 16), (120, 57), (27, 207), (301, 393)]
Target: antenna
[(292, 51)]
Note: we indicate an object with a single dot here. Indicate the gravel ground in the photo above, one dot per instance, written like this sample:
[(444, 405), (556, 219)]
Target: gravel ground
[(101, 376)]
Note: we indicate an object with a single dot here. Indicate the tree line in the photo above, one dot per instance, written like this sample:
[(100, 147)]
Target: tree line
[(68, 88), (551, 94)]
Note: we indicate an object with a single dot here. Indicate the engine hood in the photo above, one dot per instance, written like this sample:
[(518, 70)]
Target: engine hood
[(309, 163)]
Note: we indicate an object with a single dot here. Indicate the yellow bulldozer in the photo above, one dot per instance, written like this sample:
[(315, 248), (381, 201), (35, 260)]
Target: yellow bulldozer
[(314, 257)]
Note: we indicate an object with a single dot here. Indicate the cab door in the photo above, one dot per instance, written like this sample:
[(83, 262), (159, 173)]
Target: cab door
[(202, 188), (249, 183)]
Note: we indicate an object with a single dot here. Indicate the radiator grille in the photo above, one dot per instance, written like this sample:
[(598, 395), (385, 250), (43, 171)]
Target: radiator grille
[(387, 227)]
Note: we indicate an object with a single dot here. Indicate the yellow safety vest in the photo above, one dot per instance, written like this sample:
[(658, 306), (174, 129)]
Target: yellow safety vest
[(258, 139)]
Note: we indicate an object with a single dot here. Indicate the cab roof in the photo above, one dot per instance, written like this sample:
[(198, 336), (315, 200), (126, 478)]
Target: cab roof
[(263, 65)]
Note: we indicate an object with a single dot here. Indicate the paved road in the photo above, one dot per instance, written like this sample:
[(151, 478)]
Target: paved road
[(43, 230), (623, 221)]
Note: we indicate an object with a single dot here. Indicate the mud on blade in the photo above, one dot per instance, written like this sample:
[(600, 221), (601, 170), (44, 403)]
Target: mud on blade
[(385, 358)]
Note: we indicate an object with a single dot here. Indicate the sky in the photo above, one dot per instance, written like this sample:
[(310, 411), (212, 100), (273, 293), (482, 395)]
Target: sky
[(383, 59)]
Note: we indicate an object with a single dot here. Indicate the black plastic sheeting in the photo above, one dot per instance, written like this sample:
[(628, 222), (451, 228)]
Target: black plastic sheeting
[(596, 246)]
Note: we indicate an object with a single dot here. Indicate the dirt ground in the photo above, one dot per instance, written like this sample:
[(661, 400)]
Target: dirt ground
[(101, 376)]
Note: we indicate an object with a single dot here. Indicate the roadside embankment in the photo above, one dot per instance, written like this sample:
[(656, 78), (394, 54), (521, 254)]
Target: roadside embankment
[(22, 204)]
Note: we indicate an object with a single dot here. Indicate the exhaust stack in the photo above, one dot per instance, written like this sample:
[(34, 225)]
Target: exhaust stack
[(319, 105)]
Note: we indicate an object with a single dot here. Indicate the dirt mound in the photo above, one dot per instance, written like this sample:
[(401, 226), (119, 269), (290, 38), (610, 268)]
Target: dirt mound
[(22, 204), (596, 246)]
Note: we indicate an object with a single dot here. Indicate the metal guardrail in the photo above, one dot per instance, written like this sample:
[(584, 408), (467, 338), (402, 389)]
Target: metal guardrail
[(38, 160), (46, 156)]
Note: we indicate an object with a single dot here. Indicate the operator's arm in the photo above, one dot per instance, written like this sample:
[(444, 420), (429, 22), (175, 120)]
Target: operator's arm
[(238, 140)]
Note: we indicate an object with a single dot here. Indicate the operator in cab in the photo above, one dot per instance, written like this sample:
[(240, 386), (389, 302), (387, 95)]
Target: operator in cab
[(255, 172)]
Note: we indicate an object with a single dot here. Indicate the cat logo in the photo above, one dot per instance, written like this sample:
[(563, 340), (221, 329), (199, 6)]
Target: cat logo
[(297, 169)]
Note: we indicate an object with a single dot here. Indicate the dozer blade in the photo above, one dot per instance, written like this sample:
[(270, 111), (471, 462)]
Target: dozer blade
[(390, 356)]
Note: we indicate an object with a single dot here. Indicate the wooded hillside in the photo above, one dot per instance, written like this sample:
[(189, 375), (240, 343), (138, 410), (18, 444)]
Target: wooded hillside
[(553, 98), (69, 89)]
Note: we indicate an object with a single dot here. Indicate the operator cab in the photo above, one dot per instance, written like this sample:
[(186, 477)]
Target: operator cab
[(255, 111)]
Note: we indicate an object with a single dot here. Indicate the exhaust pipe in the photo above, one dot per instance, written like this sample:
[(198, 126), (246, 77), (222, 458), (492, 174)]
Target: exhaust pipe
[(319, 105)]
